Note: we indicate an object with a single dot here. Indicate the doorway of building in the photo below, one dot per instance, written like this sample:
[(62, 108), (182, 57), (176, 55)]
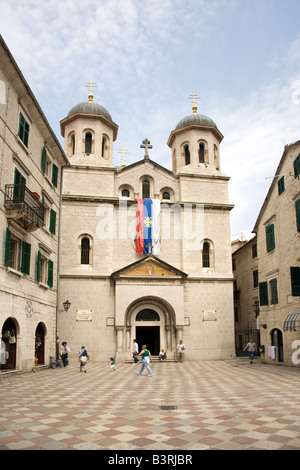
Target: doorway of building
[(148, 335), (276, 337), (9, 345), (40, 343)]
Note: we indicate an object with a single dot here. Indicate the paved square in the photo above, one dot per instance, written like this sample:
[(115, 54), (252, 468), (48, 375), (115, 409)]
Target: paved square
[(228, 405)]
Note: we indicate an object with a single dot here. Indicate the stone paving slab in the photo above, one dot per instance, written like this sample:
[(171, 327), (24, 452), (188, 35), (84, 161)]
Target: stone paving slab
[(222, 405)]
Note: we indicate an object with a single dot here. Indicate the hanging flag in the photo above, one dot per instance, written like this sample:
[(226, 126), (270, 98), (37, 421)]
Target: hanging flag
[(148, 226), (140, 226), (155, 226)]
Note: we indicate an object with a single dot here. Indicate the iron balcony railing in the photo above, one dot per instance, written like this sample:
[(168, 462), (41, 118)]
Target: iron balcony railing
[(19, 197)]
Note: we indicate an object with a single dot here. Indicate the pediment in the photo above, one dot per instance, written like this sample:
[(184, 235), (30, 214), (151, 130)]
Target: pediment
[(150, 266)]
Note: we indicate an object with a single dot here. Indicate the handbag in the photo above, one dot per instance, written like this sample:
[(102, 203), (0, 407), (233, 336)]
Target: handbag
[(83, 358)]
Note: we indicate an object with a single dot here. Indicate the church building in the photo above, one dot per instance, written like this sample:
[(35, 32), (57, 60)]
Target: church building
[(145, 251)]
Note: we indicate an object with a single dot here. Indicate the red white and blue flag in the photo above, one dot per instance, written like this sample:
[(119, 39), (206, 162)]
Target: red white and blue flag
[(148, 226)]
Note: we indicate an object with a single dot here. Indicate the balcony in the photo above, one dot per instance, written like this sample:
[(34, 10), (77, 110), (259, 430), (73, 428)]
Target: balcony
[(23, 207)]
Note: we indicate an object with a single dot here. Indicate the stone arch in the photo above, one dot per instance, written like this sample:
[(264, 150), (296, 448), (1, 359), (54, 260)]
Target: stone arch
[(163, 325)]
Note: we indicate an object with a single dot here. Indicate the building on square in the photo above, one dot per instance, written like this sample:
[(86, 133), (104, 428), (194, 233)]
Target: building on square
[(145, 251), (31, 160), (278, 235)]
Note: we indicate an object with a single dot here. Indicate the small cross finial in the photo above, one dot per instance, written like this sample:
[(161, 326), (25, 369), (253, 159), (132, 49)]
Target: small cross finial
[(91, 85), (124, 151), (194, 98), (146, 145)]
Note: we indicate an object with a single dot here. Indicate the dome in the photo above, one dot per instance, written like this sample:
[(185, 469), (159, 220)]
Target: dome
[(199, 119), (91, 108)]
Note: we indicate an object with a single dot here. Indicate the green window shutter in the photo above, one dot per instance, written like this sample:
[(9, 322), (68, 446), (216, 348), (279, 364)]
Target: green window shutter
[(263, 293), (38, 266), (52, 221), (270, 237), (295, 281), (274, 292), (298, 214), (26, 248), (19, 182), (54, 175), (7, 247), (281, 185), (23, 130), (43, 160), (297, 166), (50, 273)]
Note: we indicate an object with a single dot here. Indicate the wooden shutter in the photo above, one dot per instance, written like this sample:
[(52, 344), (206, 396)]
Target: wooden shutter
[(270, 237), (52, 221), (274, 292), (50, 273), (54, 175), (281, 185), (26, 248), (263, 293), (38, 266), (23, 129), (43, 160), (297, 166), (7, 247), (295, 281), (298, 214)]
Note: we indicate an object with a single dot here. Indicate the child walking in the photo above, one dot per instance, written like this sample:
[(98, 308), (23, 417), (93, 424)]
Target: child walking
[(112, 364), (83, 357)]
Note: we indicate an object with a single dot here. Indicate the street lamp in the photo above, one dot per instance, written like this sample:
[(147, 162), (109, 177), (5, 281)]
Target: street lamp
[(66, 305)]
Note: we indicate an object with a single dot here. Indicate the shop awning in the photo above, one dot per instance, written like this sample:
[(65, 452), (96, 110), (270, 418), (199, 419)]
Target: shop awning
[(292, 321)]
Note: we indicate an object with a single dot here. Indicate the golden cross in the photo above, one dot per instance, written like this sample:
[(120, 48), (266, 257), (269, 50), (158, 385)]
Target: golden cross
[(124, 151), (194, 98), (91, 85)]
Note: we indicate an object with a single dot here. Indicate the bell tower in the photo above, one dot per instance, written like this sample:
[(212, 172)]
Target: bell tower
[(195, 144), (89, 133)]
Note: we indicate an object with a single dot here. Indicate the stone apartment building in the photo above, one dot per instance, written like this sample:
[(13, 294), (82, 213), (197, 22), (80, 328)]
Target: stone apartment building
[(245, 293), (31, 160), (278, 243), (175, 285)]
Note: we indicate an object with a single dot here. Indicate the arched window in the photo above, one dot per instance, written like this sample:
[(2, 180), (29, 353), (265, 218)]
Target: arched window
[(88, 143), (73, 144), (104, 147), (201, 153), (85, 250), (187, 155), (166, 195), (146, 189), (125, 193), (147, 315), (205, 255)]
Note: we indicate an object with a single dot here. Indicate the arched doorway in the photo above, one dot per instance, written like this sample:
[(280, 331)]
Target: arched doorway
[(40, 343), (148, 330), (9, 345), (277, 341)]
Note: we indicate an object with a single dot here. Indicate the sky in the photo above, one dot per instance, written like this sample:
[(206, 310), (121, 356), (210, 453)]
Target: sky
[(241, 57)]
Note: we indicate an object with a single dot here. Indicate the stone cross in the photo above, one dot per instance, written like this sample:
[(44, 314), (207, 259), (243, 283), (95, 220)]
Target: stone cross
[(145, 145)]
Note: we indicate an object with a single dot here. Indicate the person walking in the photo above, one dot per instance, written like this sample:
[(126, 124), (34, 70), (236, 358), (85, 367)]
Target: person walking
[(112, 364), (146, 358), (252, 348), (180, 351), (83, 358), (135, 351), (64, 353)]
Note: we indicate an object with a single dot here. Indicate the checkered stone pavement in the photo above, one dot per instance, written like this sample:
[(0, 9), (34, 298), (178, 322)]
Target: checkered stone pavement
[(228, 405)]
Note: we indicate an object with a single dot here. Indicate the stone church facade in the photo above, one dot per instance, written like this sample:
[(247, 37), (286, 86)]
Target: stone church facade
[(181, 285)]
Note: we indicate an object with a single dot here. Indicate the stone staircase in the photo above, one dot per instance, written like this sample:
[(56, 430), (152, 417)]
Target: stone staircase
[(154, 359)]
